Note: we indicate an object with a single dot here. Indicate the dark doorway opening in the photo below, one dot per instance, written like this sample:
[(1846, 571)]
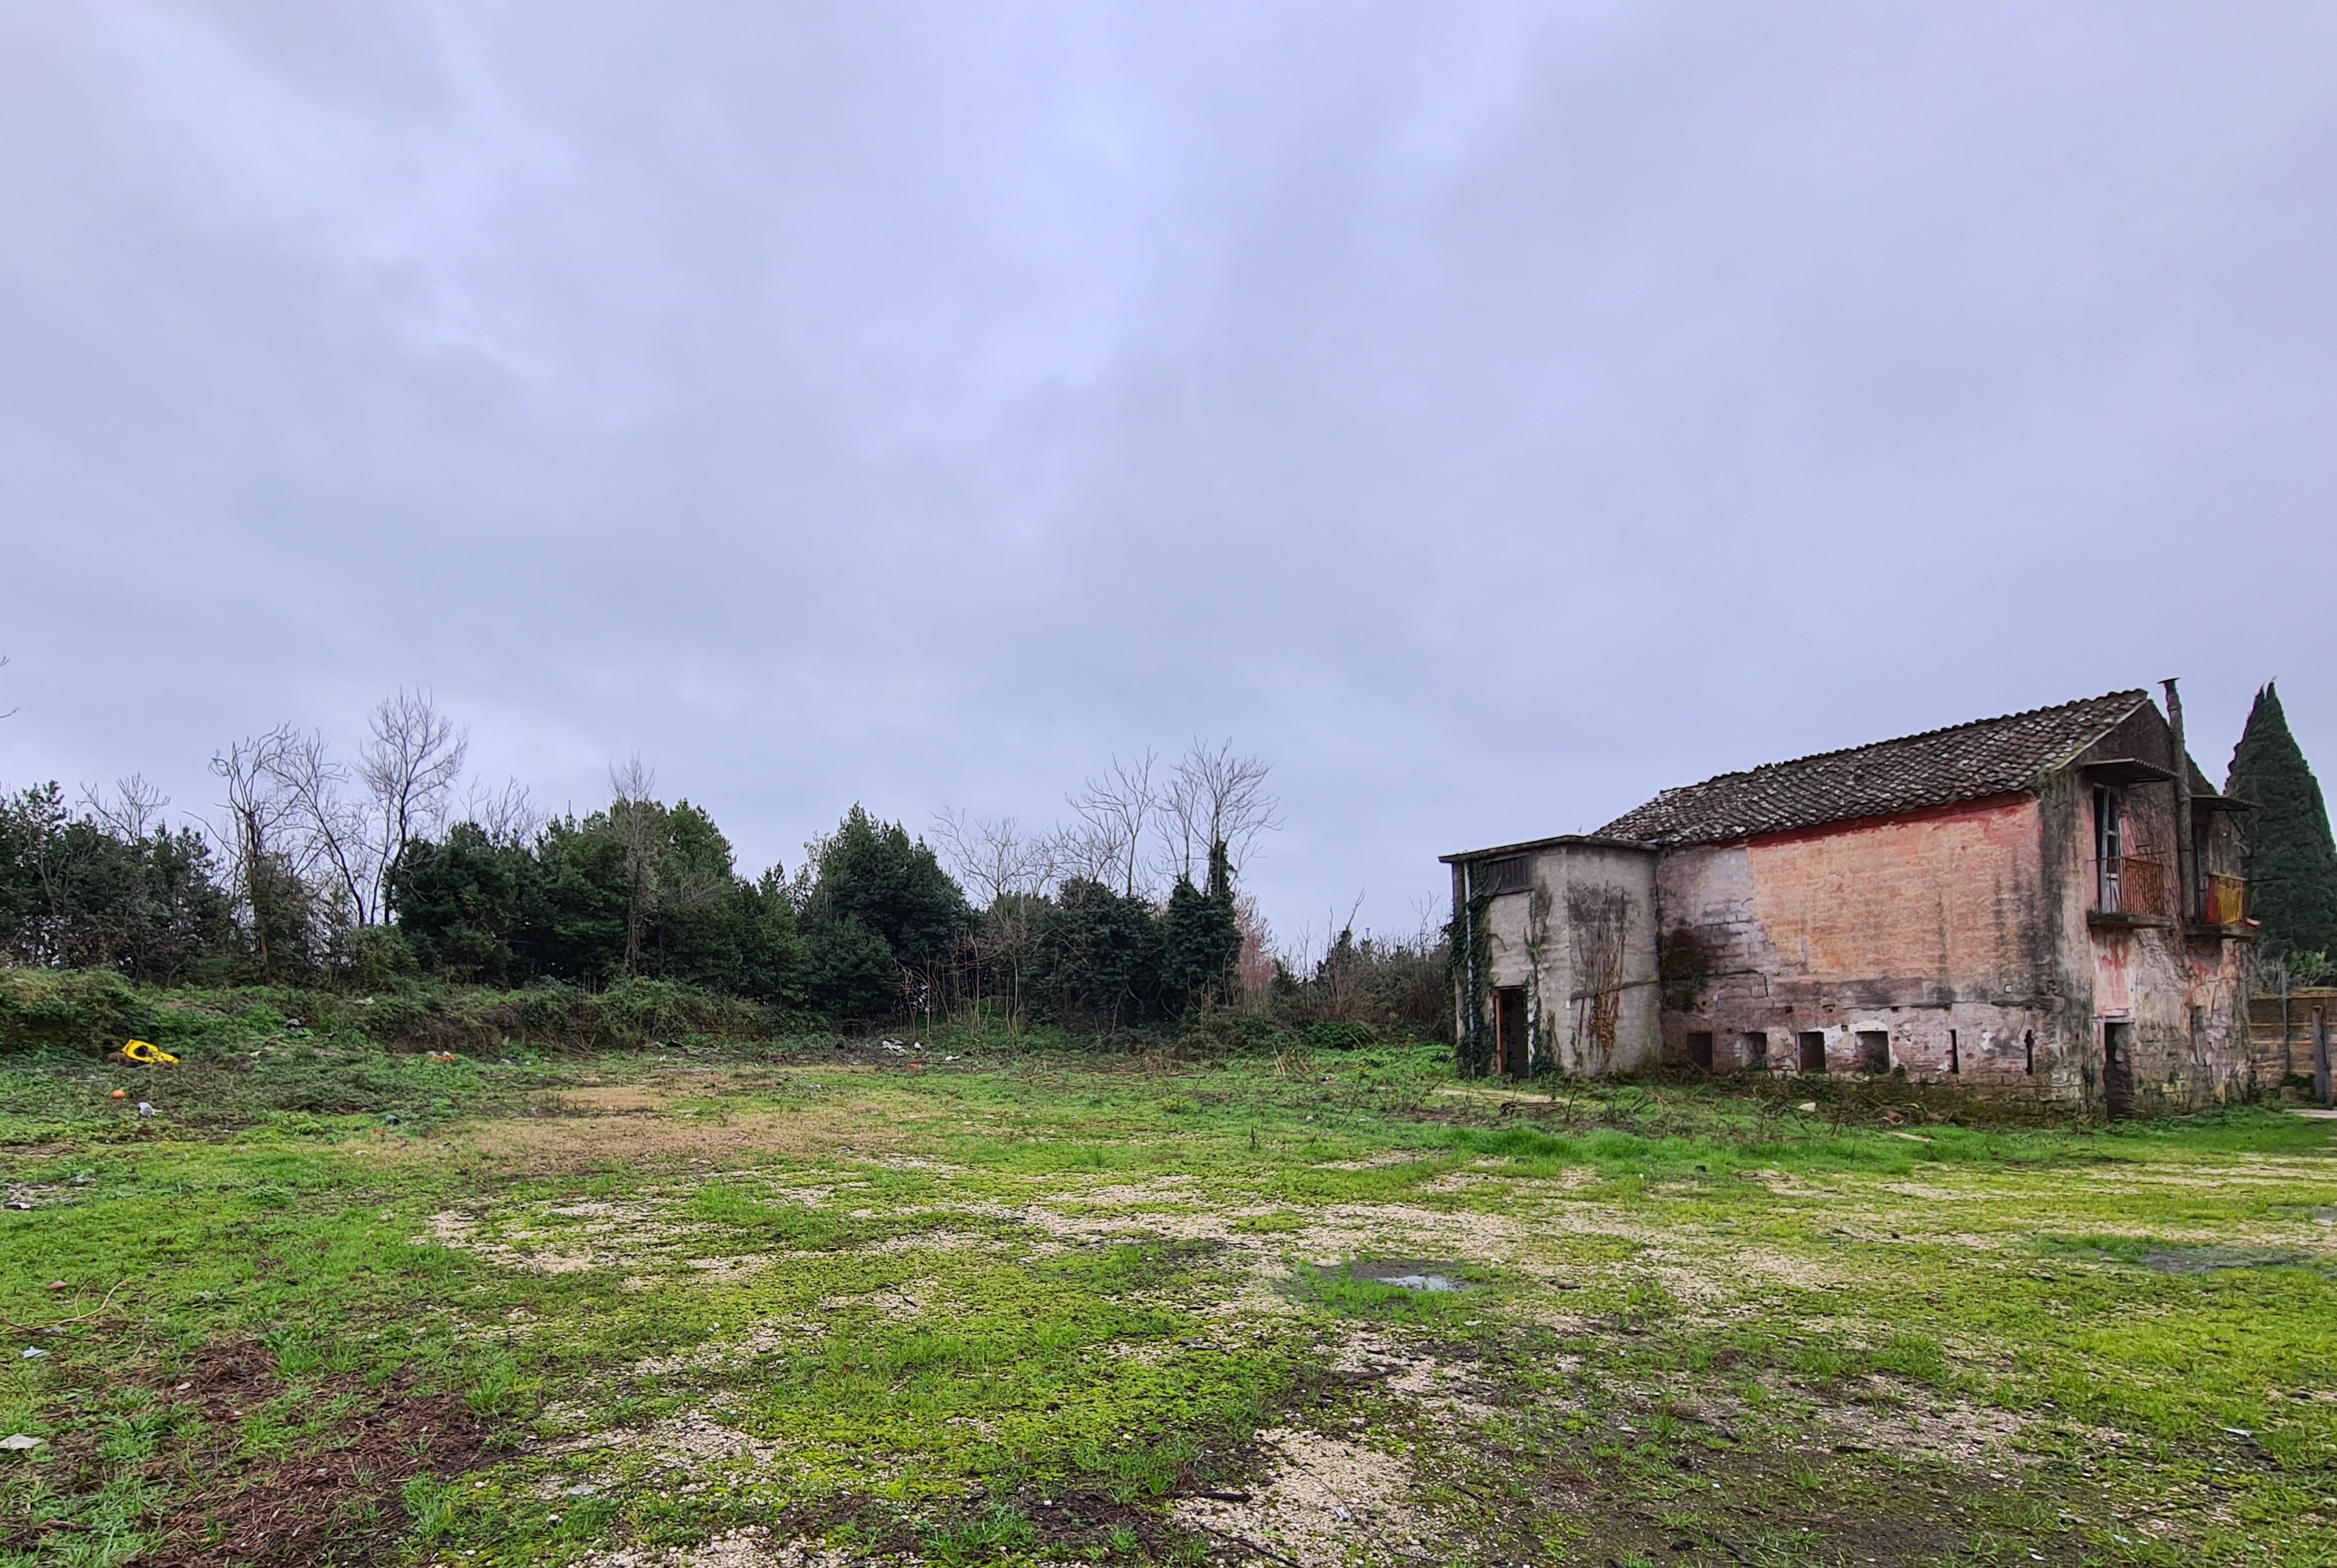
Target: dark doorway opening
[(1699, 1050), (1509, 1028), (1873, 1051), (2118, 1070), (1813, 1044), (1752, 1051)]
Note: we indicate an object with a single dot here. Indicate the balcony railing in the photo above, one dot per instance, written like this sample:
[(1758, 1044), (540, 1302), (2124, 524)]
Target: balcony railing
[(2222, 900), (2130, 885)]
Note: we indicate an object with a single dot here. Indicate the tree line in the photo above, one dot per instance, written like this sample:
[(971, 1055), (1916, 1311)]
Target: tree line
[(359, 871)]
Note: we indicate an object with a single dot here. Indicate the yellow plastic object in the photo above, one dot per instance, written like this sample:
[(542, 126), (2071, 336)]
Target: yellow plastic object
[(149, 1054)]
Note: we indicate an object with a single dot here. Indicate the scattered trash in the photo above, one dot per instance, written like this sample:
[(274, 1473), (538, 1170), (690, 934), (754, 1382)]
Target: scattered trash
[(146, 1054), (182, 1388), (582, 1489), (18, 1443), (392, 1118), (2241, 1431), (120, 1094), (34, 1354), (443, 1057), (58, 1285), (20, 1205), (1807, 1108), (144, 1109)]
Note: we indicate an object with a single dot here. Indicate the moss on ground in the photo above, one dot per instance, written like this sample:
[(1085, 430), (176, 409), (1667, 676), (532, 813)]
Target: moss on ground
[(956, 1302)]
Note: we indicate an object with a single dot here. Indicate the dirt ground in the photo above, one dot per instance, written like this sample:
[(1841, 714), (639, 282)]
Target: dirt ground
[(820, 1311)]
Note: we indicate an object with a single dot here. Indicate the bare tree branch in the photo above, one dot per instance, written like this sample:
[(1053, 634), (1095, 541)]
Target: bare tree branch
[(409, 769), (1215, 796), (135, 809), (1114, 813), (334, 846), (508, 816), (632, 813), (258, 813), (991, 856)]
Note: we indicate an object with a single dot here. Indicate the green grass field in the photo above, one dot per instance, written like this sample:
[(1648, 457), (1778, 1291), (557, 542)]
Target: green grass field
[(803, 1304)]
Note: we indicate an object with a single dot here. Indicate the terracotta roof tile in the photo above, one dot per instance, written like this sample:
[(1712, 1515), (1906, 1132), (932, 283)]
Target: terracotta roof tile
[(1939, 767)]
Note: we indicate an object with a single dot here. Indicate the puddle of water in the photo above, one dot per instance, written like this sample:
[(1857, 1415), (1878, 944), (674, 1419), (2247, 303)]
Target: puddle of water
[(1412, 1275), (2203, 1259)]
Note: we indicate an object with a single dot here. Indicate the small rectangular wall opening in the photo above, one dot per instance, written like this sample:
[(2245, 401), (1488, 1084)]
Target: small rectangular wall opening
[(1752, 1051), (1873, 1051), (2118, 1070), (1700, 1049), (1510, 1029), (2029, 1051), (1813, 1050), (1955, 1054), (1510, 874)]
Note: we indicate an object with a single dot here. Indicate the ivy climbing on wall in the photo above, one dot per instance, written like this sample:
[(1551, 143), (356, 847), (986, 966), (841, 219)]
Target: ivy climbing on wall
[(1469, 956)]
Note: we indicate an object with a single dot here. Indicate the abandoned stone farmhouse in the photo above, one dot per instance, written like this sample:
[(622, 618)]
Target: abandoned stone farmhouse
[(2046, 904)]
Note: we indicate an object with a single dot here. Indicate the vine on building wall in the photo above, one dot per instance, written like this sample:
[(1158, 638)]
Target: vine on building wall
[(1538, 1035), (1468, 952), (1597, 919)]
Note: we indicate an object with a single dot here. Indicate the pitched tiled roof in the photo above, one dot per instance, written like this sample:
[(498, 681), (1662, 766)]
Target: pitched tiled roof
[(1937, 767)]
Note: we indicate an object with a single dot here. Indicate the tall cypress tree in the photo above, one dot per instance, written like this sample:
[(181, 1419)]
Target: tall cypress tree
[(2291, 859)]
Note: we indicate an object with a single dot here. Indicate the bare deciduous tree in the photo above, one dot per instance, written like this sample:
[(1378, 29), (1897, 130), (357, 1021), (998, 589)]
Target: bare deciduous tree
[(508, 816), (1114, 813), (409, 769), (1214, 796), (991, 856), (633, 814), (254, 832), (334, 846), (134, 810)]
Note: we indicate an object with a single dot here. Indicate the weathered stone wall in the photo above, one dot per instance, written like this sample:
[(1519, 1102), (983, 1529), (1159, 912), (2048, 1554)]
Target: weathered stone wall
[(1582, 942), (2180, 991), (1959, 944), (1924, 929)]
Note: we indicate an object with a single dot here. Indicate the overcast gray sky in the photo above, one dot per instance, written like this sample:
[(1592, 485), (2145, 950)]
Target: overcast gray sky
[(1488, 412)]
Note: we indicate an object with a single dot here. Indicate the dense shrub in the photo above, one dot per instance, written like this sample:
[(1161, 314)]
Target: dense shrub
[(93, 1010), (74, 895)]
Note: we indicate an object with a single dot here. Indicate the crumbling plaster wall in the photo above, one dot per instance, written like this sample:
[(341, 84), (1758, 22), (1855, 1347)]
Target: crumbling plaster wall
[(1539, 939), (2183, 994), (1920, 926)]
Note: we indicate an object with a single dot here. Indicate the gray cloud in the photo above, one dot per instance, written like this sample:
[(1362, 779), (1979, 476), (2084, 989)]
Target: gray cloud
[(1491, 414)]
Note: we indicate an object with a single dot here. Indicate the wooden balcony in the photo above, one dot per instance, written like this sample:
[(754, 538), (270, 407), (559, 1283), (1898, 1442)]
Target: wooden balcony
[(2224, 904), (2129, 892)]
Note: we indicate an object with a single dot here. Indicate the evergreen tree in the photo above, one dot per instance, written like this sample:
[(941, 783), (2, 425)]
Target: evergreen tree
[(1097, 961), (872, 872), (460, 901), (2292, 860), (1200, 940)]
